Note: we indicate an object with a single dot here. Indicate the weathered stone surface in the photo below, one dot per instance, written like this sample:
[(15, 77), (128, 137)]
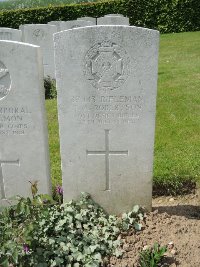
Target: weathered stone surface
[(70, 24), (42, 35), (56, 23), (113, 19), (10, 34), (23, 131), (114, 15), (93, 20), (106, 81)]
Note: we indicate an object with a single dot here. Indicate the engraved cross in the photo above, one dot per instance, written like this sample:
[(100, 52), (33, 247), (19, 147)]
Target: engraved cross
[(107, 154), (2, 187)]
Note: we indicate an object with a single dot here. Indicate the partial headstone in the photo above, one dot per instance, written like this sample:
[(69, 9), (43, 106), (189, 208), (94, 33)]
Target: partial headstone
[(113, 20), (114, 15), (71, 24), (93, 20), (106, 81), (56, 23), (10, 34), (42, 35), (24, 153)]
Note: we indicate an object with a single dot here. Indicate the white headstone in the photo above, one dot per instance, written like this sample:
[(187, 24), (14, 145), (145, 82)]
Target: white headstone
[(10, 34), (106, 81), (113, 20), (114, 15), (93, 20), (70, 24), (56, 23), (42, 35), (24, 153)]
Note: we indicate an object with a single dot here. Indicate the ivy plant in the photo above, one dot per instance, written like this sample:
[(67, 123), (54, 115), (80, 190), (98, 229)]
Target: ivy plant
[(41, 232)]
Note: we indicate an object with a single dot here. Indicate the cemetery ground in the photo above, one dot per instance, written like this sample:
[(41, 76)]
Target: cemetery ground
[(175, 223), (176, 155), (175, 219)]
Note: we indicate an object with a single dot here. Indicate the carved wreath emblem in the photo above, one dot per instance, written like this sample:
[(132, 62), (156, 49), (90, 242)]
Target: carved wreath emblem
[(38, 33), (4, 81), (107, 65)]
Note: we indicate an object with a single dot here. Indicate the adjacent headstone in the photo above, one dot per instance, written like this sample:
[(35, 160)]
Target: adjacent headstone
[(56, 23), (113, 20), (93, 20), (24, 153), (10, 34), (42, 35), (71, 24), (106, 81), (114, 15)]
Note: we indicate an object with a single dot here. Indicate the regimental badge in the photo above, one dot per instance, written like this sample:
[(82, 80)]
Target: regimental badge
[(107, 65), (38, 34)]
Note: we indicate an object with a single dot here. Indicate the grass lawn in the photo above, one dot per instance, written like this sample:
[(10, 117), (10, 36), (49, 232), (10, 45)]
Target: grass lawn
[(177, 143)]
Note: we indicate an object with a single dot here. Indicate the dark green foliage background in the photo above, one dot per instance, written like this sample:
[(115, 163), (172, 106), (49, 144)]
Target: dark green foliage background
[(164, 15)]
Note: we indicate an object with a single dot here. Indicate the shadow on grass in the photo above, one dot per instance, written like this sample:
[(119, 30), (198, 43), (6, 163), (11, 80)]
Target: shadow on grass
[(174, 187), (188, 211)]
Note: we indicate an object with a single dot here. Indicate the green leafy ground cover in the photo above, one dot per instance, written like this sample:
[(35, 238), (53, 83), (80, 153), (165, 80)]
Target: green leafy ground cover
[(39, 232), (177, 141)]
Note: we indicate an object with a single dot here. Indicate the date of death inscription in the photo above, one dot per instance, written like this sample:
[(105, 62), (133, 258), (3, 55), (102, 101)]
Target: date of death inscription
[(107, 109), (14, 120)]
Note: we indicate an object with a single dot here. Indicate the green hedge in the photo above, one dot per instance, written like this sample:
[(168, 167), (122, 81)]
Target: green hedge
[(164, 15)]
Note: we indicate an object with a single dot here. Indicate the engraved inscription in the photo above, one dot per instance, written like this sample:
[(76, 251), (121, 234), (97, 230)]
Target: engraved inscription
[(38, 34), (14, 120), (5, 36), (2, 186), (107, 152), (107, 65), (5, 81), (103, 109)]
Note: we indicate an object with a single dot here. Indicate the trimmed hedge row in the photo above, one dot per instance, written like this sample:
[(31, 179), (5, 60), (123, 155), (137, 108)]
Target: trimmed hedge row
[(164, 15)]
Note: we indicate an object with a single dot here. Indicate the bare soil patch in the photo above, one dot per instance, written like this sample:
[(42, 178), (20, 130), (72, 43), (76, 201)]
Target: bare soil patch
[(174, 222)]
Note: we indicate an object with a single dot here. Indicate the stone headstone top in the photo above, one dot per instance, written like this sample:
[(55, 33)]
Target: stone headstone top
[(42, 35), (71, 24), (93, 20), (114, 15), (56, 23), (10, 34), (106, 82), (113, 20), (24, 153)]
